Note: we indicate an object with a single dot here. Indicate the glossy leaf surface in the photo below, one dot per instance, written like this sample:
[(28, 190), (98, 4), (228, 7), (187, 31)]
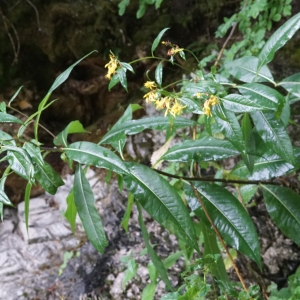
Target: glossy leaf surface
[(95, 155), (229, 216), (84, 201), (7, 118), (273, 133), (161, 201), (204, 149), (238, 103), (157, 40), (137, 126), (292, 84), (278, 40), (283, 207), (245, 69), (262, 95)]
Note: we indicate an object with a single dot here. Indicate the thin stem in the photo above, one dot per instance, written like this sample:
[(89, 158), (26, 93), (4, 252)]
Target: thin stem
[(212, 179), (191, 52), (220, 238), (36, 13), (24, 115)]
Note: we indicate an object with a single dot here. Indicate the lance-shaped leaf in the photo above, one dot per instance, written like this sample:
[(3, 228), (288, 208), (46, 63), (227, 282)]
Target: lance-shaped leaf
[(283, 206), (273, 133), (246, 69), (204, 149), (230, 218), (137, 126), (192, 105), (161, 201), (262, 95), (278, 40), (4, 199), (157, 40), (153, 255), (292, 84), (238, 103), (269, 166), (84, 201), (7, 118), (127, 116), (71, 211), (73, 127), (159, 74), (48, 178), (95, 155)]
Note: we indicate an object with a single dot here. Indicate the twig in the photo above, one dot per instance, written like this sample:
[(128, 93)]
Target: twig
[(212, 179), (36, 13), (220, 238), (16, 49)]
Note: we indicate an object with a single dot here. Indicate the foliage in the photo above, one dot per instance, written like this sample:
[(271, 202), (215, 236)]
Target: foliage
[(242, 116)]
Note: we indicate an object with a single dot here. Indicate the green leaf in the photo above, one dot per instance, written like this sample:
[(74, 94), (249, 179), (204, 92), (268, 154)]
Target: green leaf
[(64, 75), (230, 217), (127, 116), (238, 104), (95, 155), (26, 200), (192, 105), (71, 211), (157, 40), (292, 84), (15, 95), (149, 291), (262, 95), (6, 138), (122, 76), (114, 80), (204, 149), (84, 201), (130, 272), (141, 11), (246, 69), (283, 207), (20, 162), (211, 247), (73, 127), (7, 118), (137, 126), (269, 166), (4, 199), (248, 140), (159, 73), (278, 40), (153, 255), (231, 128), (273, 133), (127, 66), (127, 213), (122, 6), (48, 178), (161, 201)]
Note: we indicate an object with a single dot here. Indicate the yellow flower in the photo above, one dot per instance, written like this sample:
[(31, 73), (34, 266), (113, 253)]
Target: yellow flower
[(150, 85), (112, 66), (176, 109), (173, 51), (152, 96), (213, 100), (198, 95)]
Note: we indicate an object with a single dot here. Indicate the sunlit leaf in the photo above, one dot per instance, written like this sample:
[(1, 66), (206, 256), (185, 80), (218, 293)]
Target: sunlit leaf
[(137, 126), (238, 103), (204, 149), (159, 73), (95, 155), (246, 69)]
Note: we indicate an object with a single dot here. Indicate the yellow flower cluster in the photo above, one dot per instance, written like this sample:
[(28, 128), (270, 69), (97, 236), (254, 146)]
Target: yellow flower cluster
[(213, 100), (112, 66), (171, 104)]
